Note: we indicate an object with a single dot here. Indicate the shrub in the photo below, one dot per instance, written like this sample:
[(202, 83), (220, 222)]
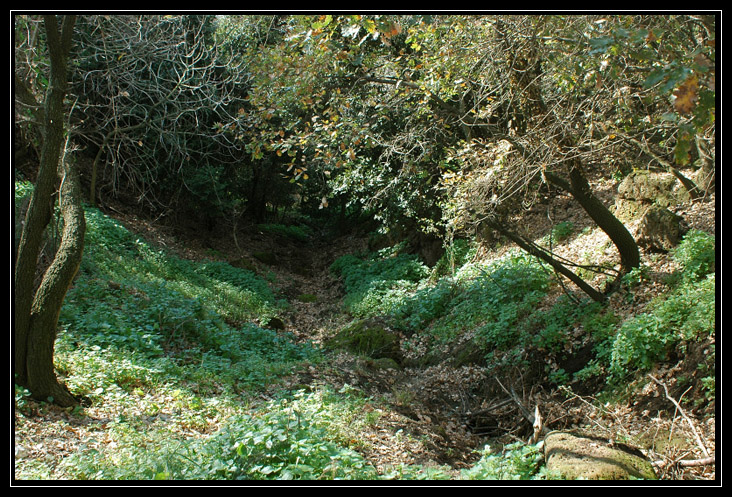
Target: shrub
[(517, 462), (378, 286), (289, 439), (687, 314), (295, 232), (508, 292), (562, 231), (550, 329), (241, 279), (425, 305), (695, 254), (456, 255)]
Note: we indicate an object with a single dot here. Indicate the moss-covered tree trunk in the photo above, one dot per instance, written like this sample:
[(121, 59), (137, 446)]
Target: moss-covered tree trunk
[(37, 309)]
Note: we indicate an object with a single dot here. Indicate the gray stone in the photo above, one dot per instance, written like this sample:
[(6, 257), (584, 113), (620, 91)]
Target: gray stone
[(648, 187), (577, 456)]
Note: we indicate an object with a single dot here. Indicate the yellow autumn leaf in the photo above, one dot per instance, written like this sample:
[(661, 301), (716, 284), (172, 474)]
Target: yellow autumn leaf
[(686, 95)]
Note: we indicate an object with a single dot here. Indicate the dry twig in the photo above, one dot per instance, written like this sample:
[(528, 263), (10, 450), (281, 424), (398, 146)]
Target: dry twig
[(697, 436)]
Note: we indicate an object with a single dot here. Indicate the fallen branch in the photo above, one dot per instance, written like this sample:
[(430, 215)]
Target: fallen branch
[(527, 414), (683, 413), (686, 463), (535, 419), (698, 462)]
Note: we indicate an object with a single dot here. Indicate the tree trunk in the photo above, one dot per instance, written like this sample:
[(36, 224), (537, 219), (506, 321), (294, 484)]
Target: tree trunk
[(36, 312), (546, 257), (611, 225), (580, 189)]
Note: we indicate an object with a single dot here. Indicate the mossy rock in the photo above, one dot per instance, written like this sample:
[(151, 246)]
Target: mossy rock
[(578, 456), (383, 363), (651, 187), (369, 337), (629, 210), (660, 229), (266, 257), (307, 298), (275, 323)]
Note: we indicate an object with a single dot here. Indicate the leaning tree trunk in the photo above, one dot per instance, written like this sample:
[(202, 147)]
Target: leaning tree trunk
[(37, 311), (580, 189), (545, 256)]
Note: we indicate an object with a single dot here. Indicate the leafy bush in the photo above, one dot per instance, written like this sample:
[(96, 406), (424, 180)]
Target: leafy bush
[(425, 305), (131, 298), (508, 292), (456, 255), (113, 254), (562, 231), (105, 233), (303, 436), (241, 279), (22, 189), (687, 314), (695, 254), (290, 439), (295, 232), (517, 462), (550, 329), (22, 395), (377, 286)]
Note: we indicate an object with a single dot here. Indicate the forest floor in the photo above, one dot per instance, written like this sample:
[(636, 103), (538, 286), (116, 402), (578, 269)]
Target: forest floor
[(430, 415)]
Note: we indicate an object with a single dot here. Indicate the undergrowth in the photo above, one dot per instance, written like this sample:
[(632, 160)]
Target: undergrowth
[(167, 352), (176, 352), (500, 307)]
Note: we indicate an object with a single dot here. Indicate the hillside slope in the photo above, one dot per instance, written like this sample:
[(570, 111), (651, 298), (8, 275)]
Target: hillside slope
[(427, 414)]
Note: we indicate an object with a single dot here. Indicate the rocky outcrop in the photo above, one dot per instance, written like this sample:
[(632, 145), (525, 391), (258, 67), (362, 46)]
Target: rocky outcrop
[(641, 189)]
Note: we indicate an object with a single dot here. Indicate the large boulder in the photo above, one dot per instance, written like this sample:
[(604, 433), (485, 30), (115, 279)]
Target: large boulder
[(660, 229), (641, 189), (577, 456), (659, 188)]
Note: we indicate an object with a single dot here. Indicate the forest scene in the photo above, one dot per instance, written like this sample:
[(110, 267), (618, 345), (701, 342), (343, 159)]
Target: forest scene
[(364, 248)]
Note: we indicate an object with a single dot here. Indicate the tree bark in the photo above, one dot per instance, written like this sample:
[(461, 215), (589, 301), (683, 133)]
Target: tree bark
[(37, 311), (580, 189)]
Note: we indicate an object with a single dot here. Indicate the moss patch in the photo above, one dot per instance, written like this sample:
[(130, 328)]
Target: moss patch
[(576, 456), (368, 337)]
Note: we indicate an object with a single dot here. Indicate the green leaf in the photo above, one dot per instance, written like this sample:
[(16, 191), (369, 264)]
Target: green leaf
[(601, 44), (654, 78), (682, 149), (322, 22)]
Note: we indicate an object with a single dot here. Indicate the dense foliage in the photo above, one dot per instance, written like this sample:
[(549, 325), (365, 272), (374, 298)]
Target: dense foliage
[(434, 134)]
